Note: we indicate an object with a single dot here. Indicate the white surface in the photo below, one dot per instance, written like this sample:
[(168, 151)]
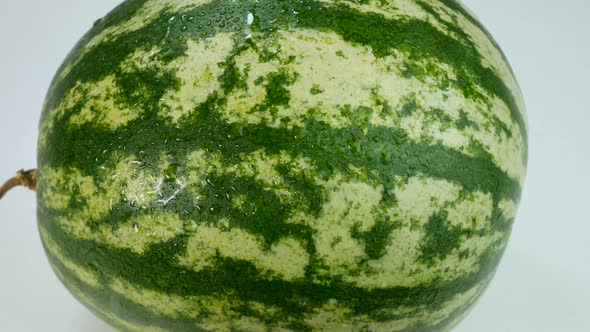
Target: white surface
[(543, 281)]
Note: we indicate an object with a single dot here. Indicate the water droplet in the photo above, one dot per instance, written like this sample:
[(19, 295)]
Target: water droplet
[(183, 28), (250, 18)]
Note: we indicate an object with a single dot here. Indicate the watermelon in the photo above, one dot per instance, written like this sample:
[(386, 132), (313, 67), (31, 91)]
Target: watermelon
[(281, 165)]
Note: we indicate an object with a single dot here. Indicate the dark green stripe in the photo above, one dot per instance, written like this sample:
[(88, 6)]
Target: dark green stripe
[(422, 41), (154, 270), (418, 38), (386, 151), (135, 313), (456, 6), (112, 302), (470, 44), (132, 312)]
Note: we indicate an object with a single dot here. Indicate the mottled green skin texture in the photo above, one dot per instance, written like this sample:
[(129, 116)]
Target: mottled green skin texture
[(383, 155)]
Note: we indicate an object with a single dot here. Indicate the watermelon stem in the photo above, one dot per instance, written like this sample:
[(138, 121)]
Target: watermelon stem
[(23, 178)]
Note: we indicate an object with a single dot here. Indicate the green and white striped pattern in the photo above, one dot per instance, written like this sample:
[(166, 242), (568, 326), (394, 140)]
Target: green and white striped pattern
[(265, 165)]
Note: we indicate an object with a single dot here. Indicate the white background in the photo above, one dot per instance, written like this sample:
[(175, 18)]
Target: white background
[(543, 282)]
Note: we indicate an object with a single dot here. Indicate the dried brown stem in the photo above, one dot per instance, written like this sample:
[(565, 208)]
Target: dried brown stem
[(23, 178)]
